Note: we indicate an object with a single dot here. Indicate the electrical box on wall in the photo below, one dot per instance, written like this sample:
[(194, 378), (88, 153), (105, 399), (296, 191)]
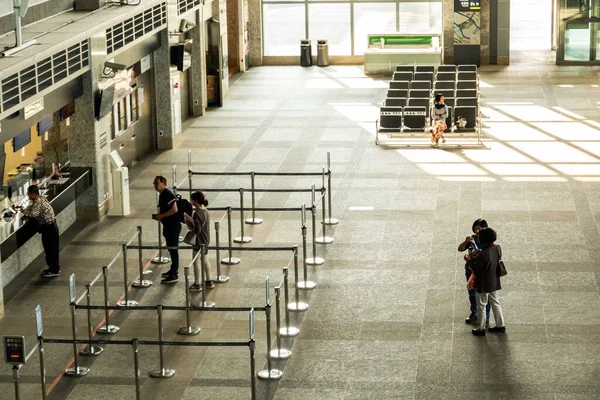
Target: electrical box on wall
[(88, 5)]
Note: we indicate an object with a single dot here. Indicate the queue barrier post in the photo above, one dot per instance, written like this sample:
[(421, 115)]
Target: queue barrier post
[(126, 302), (162, 372), (208, 304), (141, 283), (323, 239), (287, 330), (190, 175), (252, 348), (15, 369), (253, 220), (160, 259), (279, 352), (269, 373), (188, 330), (242, 238), (174, 178), (42, 367), (136, 365), (297, 305), (220, 278), (314, 260), (230, 259), (75, 370), (330, 220), (305, 284), (90, 349), (107, 328)]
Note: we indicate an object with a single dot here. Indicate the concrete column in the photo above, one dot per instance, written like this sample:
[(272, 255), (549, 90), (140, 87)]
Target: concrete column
[(220, 13), (485, 33), (255, 39), (163, 92), (198, 69), (448, 29), (500, 32)]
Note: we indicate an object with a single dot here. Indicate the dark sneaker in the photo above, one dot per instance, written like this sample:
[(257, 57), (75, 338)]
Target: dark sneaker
[(209, 284), (166, 274), (170, 279), (498, 329), (50, 274), (195, 287), (478, 332), (471, 319)]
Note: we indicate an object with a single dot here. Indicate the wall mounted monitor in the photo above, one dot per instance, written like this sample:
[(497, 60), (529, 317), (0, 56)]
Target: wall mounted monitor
[(45, 125), (181, 55), (67, 111), (21, 140), (105, 101)]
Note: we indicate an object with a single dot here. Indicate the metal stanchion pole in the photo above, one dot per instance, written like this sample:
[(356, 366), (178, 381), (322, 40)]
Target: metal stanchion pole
[(305, 284), (205, 303), (220, 278), (297, 305), (75, 370), (242, 238), (136, 365), (230, 260), (314, 260), (90, 350), (323, 239), (141, 283), (330, 220), (107, 327), (160, 259), (16, 379), (253, 220), (162, 372), (279, 352), (287, 330), (190, 172), (188, 330), (174, 178), (42, 367), (252, 348), (269, 373), (126, 302)]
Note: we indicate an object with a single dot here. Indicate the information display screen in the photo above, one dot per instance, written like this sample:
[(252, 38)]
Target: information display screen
[(467, 5)]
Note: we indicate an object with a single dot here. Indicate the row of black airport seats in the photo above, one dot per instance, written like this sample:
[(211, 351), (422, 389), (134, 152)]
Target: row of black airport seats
[(439, 68), (416, 118), (431, 76), (422, 93), (415, 101)]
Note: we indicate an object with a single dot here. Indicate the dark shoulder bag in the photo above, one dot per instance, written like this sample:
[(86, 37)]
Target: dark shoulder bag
[(501, 267)]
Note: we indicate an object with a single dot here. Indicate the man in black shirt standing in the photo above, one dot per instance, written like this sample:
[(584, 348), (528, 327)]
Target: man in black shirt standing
[(167, 203)]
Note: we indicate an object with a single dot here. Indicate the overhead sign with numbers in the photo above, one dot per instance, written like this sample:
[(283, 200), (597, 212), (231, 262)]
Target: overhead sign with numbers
[(467, 5)]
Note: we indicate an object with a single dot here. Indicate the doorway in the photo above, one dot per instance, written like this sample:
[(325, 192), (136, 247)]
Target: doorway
[(531, 26)]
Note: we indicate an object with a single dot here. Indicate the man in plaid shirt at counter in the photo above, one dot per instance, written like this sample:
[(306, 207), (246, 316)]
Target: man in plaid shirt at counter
[(43, 213)]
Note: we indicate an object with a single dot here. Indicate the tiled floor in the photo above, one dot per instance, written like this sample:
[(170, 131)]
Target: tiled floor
[(386, 320)]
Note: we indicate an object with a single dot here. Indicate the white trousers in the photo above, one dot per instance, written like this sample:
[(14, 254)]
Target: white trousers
[(203, 259), (494, 299)]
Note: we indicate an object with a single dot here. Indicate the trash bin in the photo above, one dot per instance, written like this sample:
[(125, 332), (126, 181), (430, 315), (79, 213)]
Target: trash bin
[(322, 53), (305, 53)]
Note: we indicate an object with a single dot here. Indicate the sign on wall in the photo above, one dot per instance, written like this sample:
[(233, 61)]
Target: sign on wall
[(467, 27), (467, 5)]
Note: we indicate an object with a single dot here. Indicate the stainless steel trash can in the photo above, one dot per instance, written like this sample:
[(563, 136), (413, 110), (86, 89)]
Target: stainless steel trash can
[(322, 53), (305, 53)]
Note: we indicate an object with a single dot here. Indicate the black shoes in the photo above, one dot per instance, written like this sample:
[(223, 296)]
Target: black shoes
[(170, 279), (478, 332), (50, 274), (471, 318), (209, 284), (498, 329)]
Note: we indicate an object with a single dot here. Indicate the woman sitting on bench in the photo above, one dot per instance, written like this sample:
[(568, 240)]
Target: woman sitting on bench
[(439, 115)]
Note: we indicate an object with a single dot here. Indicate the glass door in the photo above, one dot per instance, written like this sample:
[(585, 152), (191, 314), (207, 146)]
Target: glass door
[(579, 25)]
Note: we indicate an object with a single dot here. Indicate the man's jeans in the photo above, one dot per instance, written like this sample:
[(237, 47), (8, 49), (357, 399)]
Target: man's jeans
[(473, 297), (171, 234)]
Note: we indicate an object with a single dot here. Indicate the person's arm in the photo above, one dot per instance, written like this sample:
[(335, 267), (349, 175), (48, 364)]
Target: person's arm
[(32, 211), (172, 211), (464, 245)]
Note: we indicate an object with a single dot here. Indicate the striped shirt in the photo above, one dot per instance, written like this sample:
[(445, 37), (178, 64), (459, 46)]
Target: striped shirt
[(41, 210)]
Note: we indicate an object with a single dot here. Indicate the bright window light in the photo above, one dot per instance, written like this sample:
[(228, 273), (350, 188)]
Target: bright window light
[(497, 153), (578, 169), (494, 115), (515, 131), (533, 113), (431, 156), (535, 179), (518, 169), (452, 169), (567, 112), (554, 152), (361, 208), (569, 130)]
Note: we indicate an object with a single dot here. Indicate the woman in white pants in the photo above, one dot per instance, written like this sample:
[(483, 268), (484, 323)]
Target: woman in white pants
[(202, 230), (486, 268)]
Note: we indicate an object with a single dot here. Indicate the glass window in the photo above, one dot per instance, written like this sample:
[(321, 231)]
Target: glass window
[(420, 17), (372, 18), (577, 42), (330, 22), (283, 29)]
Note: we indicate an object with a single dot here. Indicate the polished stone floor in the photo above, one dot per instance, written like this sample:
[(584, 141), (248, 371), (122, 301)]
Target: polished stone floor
[(386, 320)]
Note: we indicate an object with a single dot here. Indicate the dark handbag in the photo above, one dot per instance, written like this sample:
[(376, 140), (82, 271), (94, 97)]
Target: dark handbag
[(190, 238), (501, 267)]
